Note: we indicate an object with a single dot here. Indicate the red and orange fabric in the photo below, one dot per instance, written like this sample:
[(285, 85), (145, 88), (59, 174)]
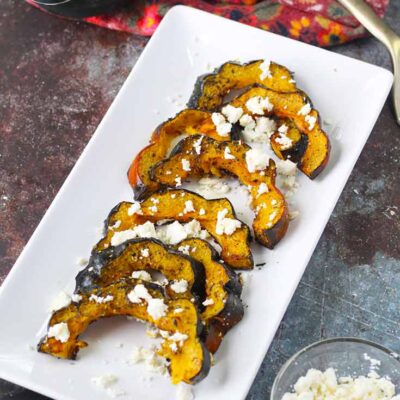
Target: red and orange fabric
[(319, 22)]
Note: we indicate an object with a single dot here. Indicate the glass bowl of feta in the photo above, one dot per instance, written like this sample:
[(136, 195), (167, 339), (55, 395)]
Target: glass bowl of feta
[(339, 368)]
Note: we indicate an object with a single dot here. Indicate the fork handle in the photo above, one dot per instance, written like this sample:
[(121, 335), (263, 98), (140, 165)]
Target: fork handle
[(387, 36)]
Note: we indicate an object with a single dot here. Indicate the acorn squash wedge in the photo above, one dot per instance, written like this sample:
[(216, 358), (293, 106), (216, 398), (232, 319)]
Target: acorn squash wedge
[(223, 307), (186, 122), (210, 89), (190, 362), (219, 158), (297, 108), (115, 263), (172, 204)]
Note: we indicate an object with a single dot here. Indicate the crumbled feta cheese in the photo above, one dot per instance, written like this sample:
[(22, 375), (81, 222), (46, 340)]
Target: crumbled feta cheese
[(60, 301), (202, 211), (180, 286), (208, 302), (152, 361), (143, 275), (260, 130), (184, 249), (173, 195), (153, 209), (174, 347), (146, 230), (76, 298), (139, 293), (169, 172), (273, 215), (175, 337), (265, 70), (258, 105), (306, 109), (265, 125), (116, 225), (223, 127), (227, 154), (178, 181), (186, 164), (156, 308), (283, 129), (135, 208), (144, 252), (256, 160), (247, 122), (311, 121), (284, 141), (212, 186), (184, 392), (154, 200), (232, 114), (224, 225), (59, 331), (197, 145), (263, 188), (105, 381), (325, 386), (178, 310), (100, 299), (189, 207), (286, 167), (170, 233)]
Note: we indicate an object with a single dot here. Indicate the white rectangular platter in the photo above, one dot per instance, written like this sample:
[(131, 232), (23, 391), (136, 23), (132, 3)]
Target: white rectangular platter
[(349, 93)]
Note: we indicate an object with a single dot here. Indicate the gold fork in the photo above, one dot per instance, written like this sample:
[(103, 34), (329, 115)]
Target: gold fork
[(387, 36)]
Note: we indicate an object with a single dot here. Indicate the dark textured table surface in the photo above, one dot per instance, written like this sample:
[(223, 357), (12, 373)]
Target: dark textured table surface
[(57, 79)]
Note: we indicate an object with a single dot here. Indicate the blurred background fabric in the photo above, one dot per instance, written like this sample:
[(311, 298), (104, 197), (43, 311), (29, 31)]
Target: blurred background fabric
[(318, 22)]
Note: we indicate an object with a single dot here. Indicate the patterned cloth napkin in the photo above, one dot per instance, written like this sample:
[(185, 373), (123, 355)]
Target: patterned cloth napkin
[(319, 22)]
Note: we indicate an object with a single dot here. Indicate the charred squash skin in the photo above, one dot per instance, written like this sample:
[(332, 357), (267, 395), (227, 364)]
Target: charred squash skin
[(210, 89), (222, 287), (271, 220), (115, 263), (190, 364), (171, 203), (188, 122), (314, 157)]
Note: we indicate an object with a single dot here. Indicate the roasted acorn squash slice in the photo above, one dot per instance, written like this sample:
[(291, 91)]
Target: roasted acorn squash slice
[(171, 204), (297, 108), (188, 122), (218, 158), (115, 263), (210, 89), (191, 361), (223, 307)]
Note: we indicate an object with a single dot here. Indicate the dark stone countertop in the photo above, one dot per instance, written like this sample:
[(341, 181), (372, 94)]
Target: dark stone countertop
[(57, 79)]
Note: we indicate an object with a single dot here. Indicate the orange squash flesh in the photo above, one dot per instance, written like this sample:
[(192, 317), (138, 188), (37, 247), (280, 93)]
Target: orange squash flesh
[(188, 122), (271, 220), (170, 204), (211, 89), (222, 289), (288, 105), (189, 364), (120, 262)]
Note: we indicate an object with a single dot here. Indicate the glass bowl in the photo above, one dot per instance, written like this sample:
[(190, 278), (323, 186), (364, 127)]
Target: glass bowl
[(348, 356)]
